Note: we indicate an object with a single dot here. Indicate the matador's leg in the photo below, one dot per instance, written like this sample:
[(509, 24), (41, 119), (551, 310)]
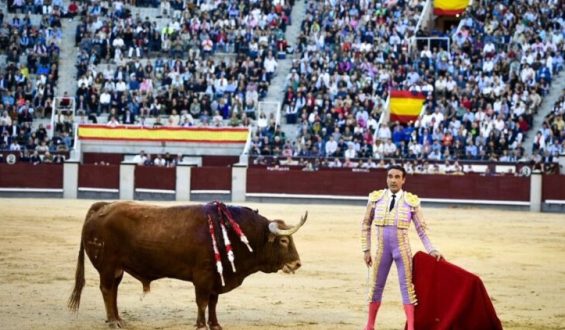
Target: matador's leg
[(381, 266), (403, 260)]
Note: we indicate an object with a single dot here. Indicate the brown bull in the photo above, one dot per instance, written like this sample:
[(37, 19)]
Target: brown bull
[(152, 242)]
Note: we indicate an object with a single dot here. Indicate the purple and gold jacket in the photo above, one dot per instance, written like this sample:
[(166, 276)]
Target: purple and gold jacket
[(407, 209)]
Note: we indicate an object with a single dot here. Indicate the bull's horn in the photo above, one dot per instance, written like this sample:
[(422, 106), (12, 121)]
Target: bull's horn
[(274, 227)]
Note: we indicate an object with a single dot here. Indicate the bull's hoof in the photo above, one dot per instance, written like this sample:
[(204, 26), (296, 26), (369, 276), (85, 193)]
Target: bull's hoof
[(116, 324), (216, 327), (201, 327)]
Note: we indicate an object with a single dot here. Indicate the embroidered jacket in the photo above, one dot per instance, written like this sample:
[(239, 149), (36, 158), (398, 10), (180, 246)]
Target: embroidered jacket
[(406, 209)]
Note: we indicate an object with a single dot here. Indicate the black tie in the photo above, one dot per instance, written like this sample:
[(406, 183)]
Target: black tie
[(392, 202)]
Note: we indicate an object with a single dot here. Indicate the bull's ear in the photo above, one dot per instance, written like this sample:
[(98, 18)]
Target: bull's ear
[(271, 237)]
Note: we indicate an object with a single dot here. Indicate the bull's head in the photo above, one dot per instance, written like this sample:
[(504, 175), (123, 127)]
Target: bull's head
[(283, 254)]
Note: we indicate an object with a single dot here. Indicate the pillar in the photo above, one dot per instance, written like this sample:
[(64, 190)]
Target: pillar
[(70, 179), (561, 164), (535, 191), (183, 182), (238, 183), (127, 180)]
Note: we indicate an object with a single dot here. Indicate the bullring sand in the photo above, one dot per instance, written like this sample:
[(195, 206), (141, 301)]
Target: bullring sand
[(518, 255)]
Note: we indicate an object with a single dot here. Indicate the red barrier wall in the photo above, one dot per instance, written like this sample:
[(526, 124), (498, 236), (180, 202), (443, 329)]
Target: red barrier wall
[(210, 178), (96, 176), (25, 175), (502, 188), (347, 182), (97, 157), (151, 177), (328, 182), (219, 160), (553, 187)]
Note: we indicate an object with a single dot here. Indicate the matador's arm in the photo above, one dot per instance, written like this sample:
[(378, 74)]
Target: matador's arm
[(420, 224), (368, 220), (366, 227)]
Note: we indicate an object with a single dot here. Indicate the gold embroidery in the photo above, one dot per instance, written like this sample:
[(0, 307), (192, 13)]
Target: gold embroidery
[(406, 256), (376, 263), (412, 199)]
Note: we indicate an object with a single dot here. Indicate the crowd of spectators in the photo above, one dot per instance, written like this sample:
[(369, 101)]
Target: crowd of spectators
[(352, 54), (165, 160), (127, 63), (482, 92), (30, 39)]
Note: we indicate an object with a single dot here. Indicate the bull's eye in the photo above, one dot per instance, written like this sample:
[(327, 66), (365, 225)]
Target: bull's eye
[(284, 241)]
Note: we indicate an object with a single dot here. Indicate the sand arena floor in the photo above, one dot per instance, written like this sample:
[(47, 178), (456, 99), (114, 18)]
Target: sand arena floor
[(520, 257)]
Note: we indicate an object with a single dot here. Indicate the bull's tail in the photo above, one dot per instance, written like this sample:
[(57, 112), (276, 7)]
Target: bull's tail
[(74, 299)]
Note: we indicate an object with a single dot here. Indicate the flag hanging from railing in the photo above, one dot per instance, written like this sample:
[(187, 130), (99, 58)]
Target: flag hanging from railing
[(220, 135), (405, 106), (450, 7)]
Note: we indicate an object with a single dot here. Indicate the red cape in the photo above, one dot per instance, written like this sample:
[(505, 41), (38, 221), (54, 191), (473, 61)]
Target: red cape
[(450, 298)]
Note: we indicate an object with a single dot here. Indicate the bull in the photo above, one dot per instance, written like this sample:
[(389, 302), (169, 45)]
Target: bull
[(152, 242)]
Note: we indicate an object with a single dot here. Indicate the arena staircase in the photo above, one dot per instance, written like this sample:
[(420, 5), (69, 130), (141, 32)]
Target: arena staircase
[(557, 87), (67, 68), (278, 84)]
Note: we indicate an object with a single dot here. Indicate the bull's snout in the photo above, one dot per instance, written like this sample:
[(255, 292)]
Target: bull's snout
[(292, 266)]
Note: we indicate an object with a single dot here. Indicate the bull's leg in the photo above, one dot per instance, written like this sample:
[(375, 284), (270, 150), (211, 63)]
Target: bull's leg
[(202, 298), (109, 286), (212, 319)]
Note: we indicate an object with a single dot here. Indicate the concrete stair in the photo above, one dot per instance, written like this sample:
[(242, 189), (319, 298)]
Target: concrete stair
[(278, 84), (557, 86), (67, 69)]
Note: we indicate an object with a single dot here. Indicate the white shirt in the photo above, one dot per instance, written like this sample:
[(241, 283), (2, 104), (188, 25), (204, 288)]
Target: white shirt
[(331, 147), (270, 64), (105, 98)]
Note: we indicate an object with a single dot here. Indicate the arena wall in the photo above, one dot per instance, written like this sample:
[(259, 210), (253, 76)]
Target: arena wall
[(220, 182)]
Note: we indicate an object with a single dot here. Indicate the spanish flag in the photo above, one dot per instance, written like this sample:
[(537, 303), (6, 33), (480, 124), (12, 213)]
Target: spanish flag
[(450, 7), (405, 106), (163, 134)]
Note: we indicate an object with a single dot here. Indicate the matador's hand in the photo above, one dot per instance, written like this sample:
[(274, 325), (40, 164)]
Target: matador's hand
[(368, 260), (436, 254)]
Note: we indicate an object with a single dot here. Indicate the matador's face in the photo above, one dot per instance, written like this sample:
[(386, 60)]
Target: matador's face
[(395, 180)]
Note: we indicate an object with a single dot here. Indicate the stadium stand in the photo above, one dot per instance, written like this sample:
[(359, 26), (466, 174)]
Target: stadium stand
[(209, 64)]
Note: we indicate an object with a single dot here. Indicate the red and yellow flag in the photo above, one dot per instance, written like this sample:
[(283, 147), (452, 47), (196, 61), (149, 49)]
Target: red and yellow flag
[(450, 7), (405, 106), (172, 134)]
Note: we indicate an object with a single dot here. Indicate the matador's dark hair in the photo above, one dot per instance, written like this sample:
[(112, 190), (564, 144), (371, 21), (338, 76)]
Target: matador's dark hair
[(398, 167)]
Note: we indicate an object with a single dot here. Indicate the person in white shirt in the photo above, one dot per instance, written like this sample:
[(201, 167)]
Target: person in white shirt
[(15, 146), (174, 119), (384, 133), (140, 158), (270, 64), (350, 153), (113, 122), (159, 161), (121, 86), (105, 99), (331, 147), (389, 148)]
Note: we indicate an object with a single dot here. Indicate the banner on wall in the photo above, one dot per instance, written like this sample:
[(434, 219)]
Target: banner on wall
[(163, 134), (450, 7), (405, 106)]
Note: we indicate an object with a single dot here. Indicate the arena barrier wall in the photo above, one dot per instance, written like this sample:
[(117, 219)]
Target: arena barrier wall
[(553, 191), (356, 185), (239, 184), (25, 176), (99, 177)]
